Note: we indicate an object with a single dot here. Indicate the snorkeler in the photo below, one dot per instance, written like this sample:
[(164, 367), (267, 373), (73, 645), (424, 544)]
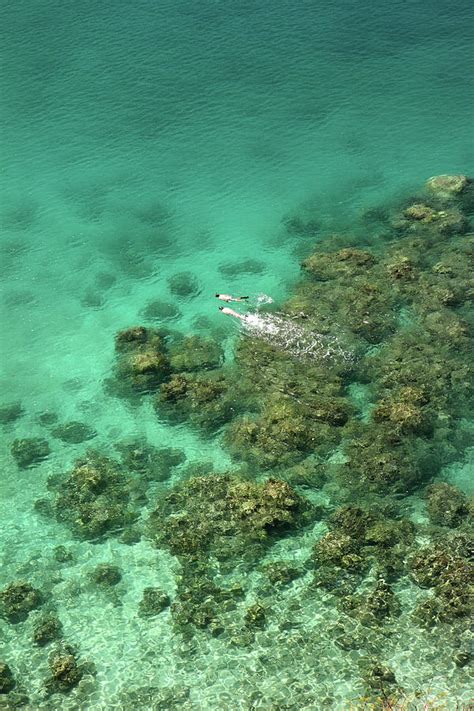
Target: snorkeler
[(231, 312), (228, 297), (253, 320)]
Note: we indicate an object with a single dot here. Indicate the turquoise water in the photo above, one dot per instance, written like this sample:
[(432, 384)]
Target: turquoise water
[(140, 142)]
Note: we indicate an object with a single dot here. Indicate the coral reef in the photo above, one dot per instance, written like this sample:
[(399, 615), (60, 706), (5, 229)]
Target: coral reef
[(255, 615), (221, 513), (202, 399), (66, 673), (149, 361), (405, 411), (362, 538), (361, 435), (447, 186), (418, 218), (445, 567), (280, 572), (96, 498), (284, 433), (220, 516), (200, 603), (372, 607), (381, 683), (345, 263), (446, 505), (142, 361), (378, 458), (195, 353), (152, 463)]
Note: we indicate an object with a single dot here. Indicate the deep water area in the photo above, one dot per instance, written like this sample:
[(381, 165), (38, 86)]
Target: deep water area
[(268, 507)]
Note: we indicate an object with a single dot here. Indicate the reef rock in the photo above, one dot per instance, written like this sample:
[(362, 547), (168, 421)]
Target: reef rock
[(447, 186)]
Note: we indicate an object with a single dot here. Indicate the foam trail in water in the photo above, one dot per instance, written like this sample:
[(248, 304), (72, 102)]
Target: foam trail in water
[(263, 299), (295, 339)]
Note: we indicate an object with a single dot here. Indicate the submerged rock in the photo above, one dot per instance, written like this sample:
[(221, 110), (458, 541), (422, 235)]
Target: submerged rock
[(447, 186), (160, 311), (195, 353), (65, 671), (10, 412), (30, 451), (447, 569), (61, 553), (223, 512), (47, 418), (46, 630), (142, 361), (7, 681), (153, 463), (153, 602), (446, 505), (74, 432), (17, 600), (202, 398), (301, 226), (184, 285), (246, 266), (96, 498), (106, 575)]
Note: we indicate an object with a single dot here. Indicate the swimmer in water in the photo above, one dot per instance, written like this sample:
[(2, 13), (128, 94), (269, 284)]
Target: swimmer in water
[(252, 320), (230, 312), (228, 297)]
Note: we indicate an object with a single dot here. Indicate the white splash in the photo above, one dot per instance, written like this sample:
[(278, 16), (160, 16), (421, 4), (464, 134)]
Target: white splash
[(284, 334), (264, 299)]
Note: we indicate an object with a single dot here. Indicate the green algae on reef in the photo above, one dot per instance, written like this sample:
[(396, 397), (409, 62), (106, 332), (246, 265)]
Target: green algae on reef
[(224, 517), (408, 296), (318, 510), (97, 498)]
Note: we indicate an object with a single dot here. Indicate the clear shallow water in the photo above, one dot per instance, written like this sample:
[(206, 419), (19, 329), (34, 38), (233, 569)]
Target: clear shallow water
[(140, 142)]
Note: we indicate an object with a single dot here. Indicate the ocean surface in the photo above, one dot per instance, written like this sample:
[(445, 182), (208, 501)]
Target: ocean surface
[(153, 155)]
